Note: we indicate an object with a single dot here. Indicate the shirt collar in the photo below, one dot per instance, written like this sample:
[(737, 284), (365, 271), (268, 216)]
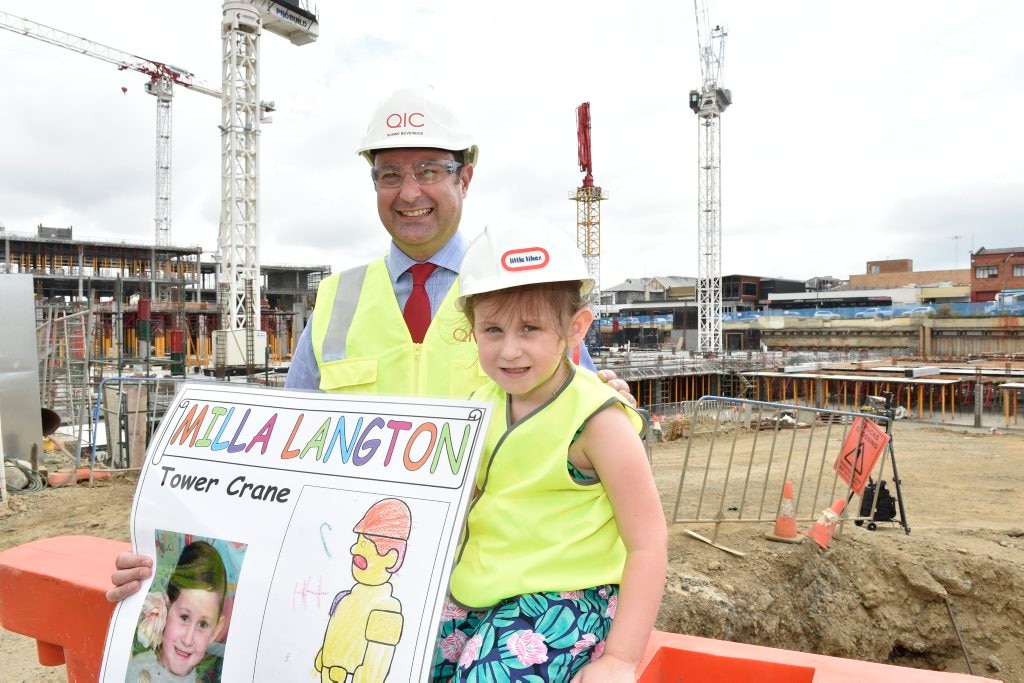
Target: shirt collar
[(449, 257)]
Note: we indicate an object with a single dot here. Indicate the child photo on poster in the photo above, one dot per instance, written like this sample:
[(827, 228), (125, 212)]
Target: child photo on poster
[(183, 626)]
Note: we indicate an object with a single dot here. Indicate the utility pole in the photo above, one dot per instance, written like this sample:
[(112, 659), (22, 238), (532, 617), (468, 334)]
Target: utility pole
[(956, 251)]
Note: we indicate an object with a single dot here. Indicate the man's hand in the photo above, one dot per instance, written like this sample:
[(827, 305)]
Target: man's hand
[(132, 570), (611, 379)]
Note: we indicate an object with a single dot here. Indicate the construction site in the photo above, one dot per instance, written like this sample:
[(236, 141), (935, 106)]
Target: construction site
[(753, 388)]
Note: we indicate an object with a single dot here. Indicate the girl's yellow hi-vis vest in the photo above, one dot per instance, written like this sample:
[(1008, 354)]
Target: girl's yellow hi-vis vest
[(533, 529), (362, 344)]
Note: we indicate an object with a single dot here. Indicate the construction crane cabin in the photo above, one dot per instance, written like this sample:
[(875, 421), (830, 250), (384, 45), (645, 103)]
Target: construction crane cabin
[(708, 104)]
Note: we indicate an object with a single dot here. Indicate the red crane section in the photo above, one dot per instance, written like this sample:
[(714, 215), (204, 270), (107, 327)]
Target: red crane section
[(583, 139)]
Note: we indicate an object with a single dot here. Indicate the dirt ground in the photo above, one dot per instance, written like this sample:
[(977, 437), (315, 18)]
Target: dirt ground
[(877, 595)]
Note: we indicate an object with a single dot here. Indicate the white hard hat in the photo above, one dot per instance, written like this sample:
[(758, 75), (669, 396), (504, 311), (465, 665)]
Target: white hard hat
[(521, 253), (415, 117)]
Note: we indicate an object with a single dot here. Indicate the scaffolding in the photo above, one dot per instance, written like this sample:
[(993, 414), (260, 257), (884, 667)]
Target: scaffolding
[(65, 345)]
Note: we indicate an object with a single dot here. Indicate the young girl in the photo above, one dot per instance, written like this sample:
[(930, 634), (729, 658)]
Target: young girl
[(561, 568), (177, 627)]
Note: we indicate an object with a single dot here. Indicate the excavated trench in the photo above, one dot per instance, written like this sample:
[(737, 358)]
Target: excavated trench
[(879, 597)]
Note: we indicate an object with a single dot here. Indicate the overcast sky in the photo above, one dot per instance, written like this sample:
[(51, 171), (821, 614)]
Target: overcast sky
[(859, 131)]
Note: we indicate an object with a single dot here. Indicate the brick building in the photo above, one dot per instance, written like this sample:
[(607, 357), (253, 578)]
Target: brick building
[(960, 276), (902, 265), (993, 270)]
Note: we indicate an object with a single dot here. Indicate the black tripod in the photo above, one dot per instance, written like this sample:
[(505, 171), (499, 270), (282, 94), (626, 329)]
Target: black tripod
[(877, 503)]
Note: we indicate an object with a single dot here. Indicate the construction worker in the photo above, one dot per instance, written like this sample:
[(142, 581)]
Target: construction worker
[(366, 620), (378, 328)]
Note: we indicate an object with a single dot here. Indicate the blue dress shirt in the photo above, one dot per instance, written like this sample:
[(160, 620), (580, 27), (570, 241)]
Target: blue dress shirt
[(304, 372)]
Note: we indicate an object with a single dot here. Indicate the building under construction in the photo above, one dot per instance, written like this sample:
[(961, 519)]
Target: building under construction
[(152, 302), (109, 309)]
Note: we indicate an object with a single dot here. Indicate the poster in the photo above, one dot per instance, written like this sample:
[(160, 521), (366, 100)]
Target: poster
[(296, 536), (861, 449)]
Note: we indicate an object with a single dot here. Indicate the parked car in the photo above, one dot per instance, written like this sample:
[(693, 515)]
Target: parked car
[(874, 312), (1007, 302), (1009, 309), (920, 312), (826, 315)]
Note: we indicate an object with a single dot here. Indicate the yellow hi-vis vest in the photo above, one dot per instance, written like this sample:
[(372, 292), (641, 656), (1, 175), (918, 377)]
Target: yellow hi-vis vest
[(362, 344), (533, 529)]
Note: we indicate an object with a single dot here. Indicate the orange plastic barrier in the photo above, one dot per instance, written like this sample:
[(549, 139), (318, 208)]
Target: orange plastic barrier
[(671, 657), (53, 590), (65, 477)]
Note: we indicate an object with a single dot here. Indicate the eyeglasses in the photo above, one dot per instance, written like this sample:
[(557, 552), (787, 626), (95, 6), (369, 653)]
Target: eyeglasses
[(391, 176)]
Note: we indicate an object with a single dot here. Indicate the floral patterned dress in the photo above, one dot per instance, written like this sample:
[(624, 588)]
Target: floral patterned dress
[(534, 638)]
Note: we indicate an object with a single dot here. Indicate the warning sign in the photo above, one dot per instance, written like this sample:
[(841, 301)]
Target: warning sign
[(861, 449)]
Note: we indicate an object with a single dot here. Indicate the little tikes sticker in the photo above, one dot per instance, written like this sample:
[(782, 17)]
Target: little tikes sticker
[(525, 259)]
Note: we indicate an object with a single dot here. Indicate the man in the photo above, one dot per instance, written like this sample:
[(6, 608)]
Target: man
[(370, 606), (391, 326), (357, 340)]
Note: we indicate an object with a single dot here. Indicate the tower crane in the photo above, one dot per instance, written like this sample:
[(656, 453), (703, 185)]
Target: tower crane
[(708, 104), (241, 341), (588, 198), (162, 79)]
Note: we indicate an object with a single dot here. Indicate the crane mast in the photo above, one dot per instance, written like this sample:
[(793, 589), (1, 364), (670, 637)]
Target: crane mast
[(239, 229), (588, 198), (708, 104)]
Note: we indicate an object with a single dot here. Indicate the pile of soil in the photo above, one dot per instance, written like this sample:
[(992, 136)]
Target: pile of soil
[(881, 595)]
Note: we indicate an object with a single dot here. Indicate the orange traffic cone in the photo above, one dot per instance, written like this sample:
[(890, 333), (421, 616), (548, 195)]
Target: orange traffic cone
[(821, 531), (785, 521)]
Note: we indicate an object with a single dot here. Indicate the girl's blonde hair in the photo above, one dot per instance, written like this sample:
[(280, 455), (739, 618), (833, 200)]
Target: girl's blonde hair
[(554, 302)]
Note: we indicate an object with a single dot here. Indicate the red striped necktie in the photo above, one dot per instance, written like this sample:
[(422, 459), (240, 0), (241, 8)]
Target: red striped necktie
[(417, 308)]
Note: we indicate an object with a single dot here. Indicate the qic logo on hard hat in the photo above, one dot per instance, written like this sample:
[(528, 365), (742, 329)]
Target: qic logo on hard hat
[(412, 119), (525, 259)]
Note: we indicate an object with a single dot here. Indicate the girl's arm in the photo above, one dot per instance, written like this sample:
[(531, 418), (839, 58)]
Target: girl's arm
[(610, 446)]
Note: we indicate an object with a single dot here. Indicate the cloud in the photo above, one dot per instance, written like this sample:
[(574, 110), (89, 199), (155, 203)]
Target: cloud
[(857, 132)]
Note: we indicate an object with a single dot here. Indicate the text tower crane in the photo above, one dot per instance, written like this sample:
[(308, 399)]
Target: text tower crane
[(708, 104)]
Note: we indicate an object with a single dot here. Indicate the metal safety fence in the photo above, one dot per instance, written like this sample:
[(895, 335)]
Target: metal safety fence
[(128, 411), (671, 421), (740, 453)]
